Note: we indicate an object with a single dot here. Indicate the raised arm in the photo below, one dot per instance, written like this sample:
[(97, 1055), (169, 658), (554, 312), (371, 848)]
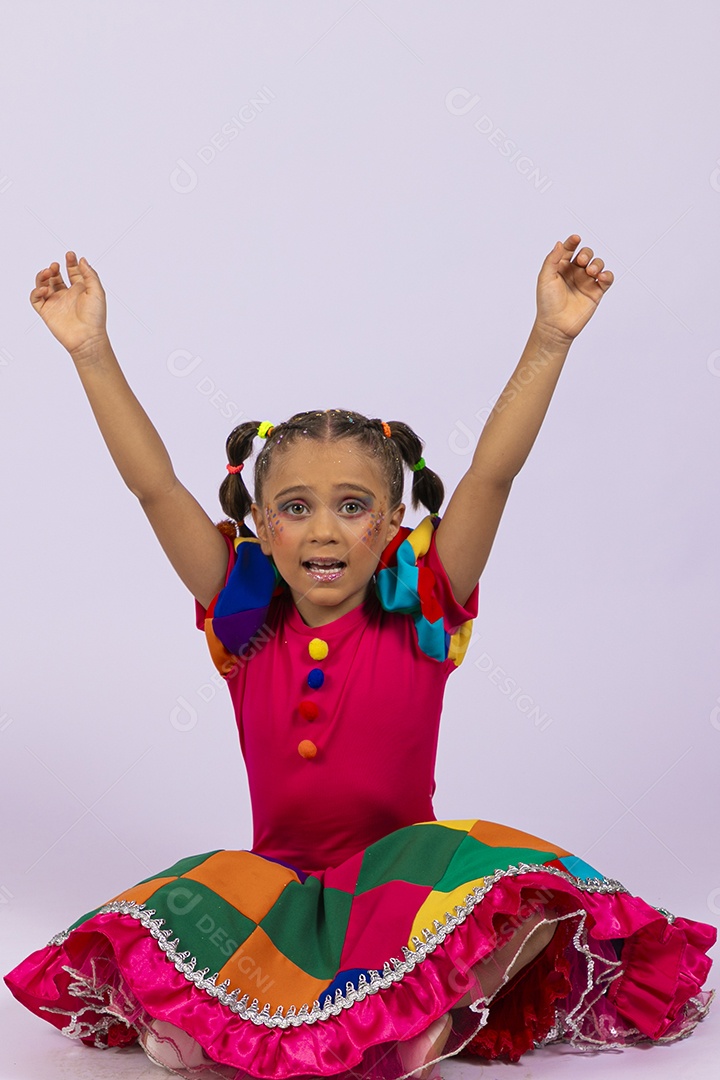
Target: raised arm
[(568, 293), (77, 318)]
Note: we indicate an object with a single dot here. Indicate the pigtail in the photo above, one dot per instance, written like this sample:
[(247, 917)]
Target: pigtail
[(235, 498), (427, 487)]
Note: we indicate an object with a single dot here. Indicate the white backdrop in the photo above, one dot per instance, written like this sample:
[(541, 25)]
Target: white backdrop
[(332, 203)]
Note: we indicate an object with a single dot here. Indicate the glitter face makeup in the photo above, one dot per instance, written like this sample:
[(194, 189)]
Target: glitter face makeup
[(374, 526), (273, 523)]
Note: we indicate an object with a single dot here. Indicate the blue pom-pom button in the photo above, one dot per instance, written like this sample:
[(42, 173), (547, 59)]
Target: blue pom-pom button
[(316, 678)]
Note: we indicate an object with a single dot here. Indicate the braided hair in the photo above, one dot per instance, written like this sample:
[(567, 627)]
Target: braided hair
[(402, 447)]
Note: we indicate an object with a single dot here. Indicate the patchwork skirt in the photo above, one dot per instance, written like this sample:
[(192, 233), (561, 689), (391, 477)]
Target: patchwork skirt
[(231, 964)]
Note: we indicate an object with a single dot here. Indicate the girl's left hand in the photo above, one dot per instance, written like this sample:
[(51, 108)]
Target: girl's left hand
[(569, 291)]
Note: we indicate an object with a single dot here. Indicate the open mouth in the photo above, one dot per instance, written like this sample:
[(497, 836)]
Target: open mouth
[(324, 569)]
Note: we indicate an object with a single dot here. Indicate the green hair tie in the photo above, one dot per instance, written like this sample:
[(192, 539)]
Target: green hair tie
[(419, 465)]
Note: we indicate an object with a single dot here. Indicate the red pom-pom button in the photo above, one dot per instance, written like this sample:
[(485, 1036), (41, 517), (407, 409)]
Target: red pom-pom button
[(308, 709)]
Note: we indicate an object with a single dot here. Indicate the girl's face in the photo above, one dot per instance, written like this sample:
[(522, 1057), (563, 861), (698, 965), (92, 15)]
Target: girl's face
[(325, 521)]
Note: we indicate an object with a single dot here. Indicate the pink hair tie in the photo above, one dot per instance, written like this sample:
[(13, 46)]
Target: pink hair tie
[(235, 468)]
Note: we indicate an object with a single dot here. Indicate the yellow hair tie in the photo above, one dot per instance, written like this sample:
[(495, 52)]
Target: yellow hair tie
[(265, 429)]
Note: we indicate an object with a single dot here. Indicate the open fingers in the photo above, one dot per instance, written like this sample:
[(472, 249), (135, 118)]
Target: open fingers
[(568, 246), (42, 276), (75, 271), (595, 267), (585, 258), (47, 281), (51, 277), (81, 270)]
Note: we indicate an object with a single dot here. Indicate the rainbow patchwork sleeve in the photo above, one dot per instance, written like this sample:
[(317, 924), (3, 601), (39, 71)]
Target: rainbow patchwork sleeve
[(411, 580), (237, 616)]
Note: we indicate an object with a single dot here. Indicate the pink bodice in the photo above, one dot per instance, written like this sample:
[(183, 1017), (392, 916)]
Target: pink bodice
[(376, 729)]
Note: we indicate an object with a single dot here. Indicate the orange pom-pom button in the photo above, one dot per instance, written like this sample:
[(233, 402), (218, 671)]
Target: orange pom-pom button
[(307, 749), (308, 709), (318, 648)]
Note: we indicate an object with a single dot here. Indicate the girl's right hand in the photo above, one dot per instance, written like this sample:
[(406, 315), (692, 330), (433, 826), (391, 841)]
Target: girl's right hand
[(75, 315)]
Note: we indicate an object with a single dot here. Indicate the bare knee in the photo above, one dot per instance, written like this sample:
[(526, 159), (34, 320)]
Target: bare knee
[(536, 935), (528, 940)]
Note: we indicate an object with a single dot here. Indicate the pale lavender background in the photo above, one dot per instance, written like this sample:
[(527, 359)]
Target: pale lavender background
[(364, 242)]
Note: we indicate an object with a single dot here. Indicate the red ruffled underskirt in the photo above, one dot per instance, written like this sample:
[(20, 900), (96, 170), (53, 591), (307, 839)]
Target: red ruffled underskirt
[(523, 1012)]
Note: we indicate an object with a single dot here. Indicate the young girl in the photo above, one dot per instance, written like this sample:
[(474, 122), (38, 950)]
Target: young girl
[(359, 936)]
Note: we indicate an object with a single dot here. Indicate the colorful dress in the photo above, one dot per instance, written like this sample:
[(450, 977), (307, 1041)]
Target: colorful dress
[(354, 920)]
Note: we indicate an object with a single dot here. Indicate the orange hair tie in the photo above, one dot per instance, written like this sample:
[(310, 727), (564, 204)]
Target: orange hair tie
[(386, 429)]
